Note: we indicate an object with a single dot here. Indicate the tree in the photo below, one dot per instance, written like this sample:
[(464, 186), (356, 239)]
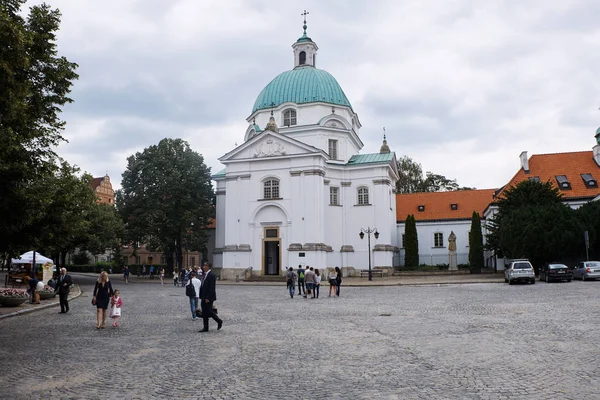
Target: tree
[(166, 198), (476, 259), (411, 243), (105, 229), (35, 83), (589, 215), (411, 179), (532, 222)]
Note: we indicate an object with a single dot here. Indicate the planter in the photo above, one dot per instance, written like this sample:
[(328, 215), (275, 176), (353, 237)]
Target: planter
[(12, 301), (47, 294)]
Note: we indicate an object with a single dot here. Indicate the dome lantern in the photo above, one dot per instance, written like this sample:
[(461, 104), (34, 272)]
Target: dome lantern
[(305, 50)]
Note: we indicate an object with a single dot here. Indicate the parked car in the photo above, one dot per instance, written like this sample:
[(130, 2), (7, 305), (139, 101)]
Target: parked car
[(519, 271), (555, 272), (587, 270)]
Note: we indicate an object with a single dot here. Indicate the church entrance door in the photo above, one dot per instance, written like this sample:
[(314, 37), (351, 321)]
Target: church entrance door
[(271, 252)]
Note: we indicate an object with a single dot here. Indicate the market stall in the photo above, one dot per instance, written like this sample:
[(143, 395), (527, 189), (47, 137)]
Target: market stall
[(27, 264)]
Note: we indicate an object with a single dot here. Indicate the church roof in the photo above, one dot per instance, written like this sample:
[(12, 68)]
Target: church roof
[(374, 158), (301, 85), (220, 174), (572, 165), (435, 206)]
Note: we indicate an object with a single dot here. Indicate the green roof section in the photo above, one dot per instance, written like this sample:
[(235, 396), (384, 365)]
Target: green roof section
[(220, 174), (374, 158), (301, 85)]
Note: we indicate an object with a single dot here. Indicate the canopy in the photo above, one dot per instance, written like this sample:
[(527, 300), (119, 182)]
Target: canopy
[(27, 258)]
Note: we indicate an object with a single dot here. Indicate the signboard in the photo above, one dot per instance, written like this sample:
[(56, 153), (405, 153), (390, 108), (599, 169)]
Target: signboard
[(48, 270)]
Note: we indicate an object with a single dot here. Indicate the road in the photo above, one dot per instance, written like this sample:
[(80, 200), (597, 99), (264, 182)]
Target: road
[(470, 341)]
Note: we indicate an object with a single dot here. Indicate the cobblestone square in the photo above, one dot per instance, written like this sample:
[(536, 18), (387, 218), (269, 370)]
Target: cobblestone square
[(464, 341)]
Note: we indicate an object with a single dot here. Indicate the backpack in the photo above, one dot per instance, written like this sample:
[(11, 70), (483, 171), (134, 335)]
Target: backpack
[(190, 291), (301, 276)]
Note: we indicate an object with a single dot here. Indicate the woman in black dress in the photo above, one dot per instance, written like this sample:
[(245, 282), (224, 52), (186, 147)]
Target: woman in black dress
[(103, 291)]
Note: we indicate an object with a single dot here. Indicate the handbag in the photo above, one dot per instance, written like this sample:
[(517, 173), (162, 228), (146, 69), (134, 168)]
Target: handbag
[(115, 312), (190, 291)]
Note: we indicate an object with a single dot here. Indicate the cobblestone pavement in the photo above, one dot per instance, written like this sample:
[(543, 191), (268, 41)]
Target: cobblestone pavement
[(476, 341)]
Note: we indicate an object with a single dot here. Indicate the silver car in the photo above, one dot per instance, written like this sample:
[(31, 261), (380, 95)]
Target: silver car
[(519, 271), (587, 270)]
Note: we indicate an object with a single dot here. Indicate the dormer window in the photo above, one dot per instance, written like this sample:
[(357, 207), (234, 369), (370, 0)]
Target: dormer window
[(589, 181), (302, 58), (454, 206), (563, 182), (421, 208), (534, 179), (289, 117)]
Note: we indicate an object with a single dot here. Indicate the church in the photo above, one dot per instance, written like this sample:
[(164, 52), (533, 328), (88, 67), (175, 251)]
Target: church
[(297, 191)]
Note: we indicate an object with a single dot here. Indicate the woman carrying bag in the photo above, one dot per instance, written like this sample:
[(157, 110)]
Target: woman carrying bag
[(103, 291)]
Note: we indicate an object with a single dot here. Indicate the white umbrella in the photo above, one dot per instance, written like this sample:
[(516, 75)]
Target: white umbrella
[(27, 258)]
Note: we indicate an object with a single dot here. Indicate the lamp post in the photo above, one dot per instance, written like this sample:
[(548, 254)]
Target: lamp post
[(368, 231)]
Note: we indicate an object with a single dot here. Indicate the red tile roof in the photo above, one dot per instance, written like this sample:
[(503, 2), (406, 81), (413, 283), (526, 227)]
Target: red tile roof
[(572, 165), (438, 205), (96, 182)]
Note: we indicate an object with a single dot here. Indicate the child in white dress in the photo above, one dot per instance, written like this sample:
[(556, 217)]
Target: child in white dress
[(115, 308)]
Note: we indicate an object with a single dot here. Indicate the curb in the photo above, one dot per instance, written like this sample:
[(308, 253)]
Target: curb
[(41, 307)]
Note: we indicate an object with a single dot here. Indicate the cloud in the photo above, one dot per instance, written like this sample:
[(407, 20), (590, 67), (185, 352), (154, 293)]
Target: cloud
[(462, 87)]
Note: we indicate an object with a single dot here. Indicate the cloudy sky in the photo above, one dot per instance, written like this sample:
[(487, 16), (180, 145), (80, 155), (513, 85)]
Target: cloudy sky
[(461, 86)]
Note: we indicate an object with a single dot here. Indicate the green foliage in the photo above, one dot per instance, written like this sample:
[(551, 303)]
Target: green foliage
[(532, 222), (411, 179), (589, 216), (105, 229), (166, 198), (35, 84), (411, 243), (81, 258), (476, 258)]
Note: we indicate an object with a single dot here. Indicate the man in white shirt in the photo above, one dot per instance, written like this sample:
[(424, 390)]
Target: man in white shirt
[(196, 283)]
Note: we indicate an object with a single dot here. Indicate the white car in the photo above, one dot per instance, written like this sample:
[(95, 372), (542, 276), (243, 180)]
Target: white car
[(519, 271), (587, 270)]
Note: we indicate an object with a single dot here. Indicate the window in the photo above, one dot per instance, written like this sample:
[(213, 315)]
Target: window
[(438, 239), (403, 241), (454, 206), (271, 233), (421, 208), (271, 189), (563, 182), (334, 196), (302, 58), (333, 149), (589, 181), (363, 196), (534, 179), (289, 117)]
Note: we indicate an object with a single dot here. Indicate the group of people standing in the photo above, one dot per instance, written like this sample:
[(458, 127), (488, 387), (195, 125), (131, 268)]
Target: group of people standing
[(309, 281), (201, 288)]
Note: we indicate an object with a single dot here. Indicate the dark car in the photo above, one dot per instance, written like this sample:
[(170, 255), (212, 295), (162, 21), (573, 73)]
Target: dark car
[(555, 272)]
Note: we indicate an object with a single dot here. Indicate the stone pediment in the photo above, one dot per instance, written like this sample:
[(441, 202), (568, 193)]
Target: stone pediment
[(269, 144)]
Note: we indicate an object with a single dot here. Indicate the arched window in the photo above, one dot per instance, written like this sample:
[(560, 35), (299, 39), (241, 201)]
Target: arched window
[(271, 189), (289, 117), (363, 196), (302, 58)]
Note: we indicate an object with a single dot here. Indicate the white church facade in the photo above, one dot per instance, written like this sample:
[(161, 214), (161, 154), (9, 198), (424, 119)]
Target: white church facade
[(297, 191)]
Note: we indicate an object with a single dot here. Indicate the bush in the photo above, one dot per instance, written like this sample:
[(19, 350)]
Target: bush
[(81, 258)]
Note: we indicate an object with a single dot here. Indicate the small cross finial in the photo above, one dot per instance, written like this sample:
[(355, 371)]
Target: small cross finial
[(305, 13), (272, 106)]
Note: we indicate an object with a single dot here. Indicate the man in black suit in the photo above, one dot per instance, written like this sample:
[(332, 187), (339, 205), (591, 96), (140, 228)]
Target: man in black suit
[(63, 287), (208, 295)]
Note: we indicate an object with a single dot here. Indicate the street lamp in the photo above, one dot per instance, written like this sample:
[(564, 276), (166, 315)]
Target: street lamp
[(368, 231)]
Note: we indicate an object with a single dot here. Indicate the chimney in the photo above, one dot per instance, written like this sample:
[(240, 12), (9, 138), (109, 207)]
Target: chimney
[(596, 150), (524, 161)]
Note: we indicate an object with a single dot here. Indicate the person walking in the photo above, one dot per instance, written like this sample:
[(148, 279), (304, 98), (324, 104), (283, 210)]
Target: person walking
[(317, 283), (103, 291), (63, 287), (208, 295), (115, 308), (332, 278), (309, 279), (338, 281), (162, 276), (175, 277), (193, 284), (301, 280), (126, 274), (291, 278)]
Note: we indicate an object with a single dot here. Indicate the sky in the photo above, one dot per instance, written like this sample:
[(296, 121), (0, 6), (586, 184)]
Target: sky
[(461, 87)]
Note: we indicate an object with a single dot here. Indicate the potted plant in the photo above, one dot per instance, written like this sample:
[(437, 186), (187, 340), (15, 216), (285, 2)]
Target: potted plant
[(47, 293), (13, 297)]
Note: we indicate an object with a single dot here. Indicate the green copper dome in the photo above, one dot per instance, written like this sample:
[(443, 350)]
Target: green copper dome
[(301, 85)]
